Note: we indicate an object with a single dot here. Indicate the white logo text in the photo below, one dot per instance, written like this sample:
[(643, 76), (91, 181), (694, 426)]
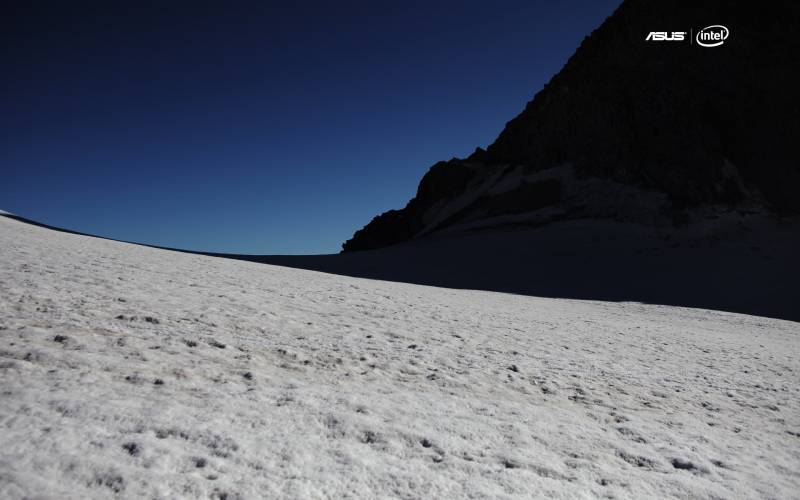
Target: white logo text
[(712, 36), (665, 36)]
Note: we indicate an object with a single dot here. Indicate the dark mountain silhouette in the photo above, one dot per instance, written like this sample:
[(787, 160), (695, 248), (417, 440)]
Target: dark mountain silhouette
[(634, 130)]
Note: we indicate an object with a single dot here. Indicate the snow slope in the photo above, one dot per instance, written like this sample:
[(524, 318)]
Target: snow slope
[(135, 372)]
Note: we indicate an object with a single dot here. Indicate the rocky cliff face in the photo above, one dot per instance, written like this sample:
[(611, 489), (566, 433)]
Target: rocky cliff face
[(634, 129)]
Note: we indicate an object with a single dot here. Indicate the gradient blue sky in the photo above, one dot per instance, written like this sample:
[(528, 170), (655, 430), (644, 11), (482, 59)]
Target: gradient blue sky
[(254, 127)]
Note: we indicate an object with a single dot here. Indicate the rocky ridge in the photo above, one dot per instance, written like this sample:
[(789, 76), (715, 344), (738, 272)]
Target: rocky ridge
[(633, 130)]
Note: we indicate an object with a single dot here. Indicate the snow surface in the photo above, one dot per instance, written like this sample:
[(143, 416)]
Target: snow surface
[(135, 372)]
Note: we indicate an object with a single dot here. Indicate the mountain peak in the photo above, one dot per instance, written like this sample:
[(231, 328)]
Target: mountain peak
[(634, 129)]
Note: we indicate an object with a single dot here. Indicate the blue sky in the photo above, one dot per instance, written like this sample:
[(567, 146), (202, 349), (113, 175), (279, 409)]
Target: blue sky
[(254, 127)]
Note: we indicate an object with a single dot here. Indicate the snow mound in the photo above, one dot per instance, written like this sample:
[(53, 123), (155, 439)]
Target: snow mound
[(135, 372)]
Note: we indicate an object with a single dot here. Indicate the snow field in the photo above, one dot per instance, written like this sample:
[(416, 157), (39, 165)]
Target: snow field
[(134, 372)]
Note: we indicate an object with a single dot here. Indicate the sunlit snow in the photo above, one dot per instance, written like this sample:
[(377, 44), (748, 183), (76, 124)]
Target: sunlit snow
[(142, 373)]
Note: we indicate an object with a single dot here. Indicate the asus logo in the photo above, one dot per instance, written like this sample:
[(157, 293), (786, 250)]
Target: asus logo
[(666, 36)]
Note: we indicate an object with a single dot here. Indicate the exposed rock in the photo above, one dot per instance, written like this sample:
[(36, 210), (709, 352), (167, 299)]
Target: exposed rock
[(683, 124)]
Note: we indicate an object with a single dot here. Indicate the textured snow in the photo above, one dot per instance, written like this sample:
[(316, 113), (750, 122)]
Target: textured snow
[(135, 372)]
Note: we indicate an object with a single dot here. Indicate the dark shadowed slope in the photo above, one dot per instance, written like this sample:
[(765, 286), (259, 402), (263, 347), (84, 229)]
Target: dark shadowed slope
[(740, 263), (745, 264)]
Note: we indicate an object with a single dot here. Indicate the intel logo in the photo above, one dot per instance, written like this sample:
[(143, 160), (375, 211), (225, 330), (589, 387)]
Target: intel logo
[(712, 36)]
